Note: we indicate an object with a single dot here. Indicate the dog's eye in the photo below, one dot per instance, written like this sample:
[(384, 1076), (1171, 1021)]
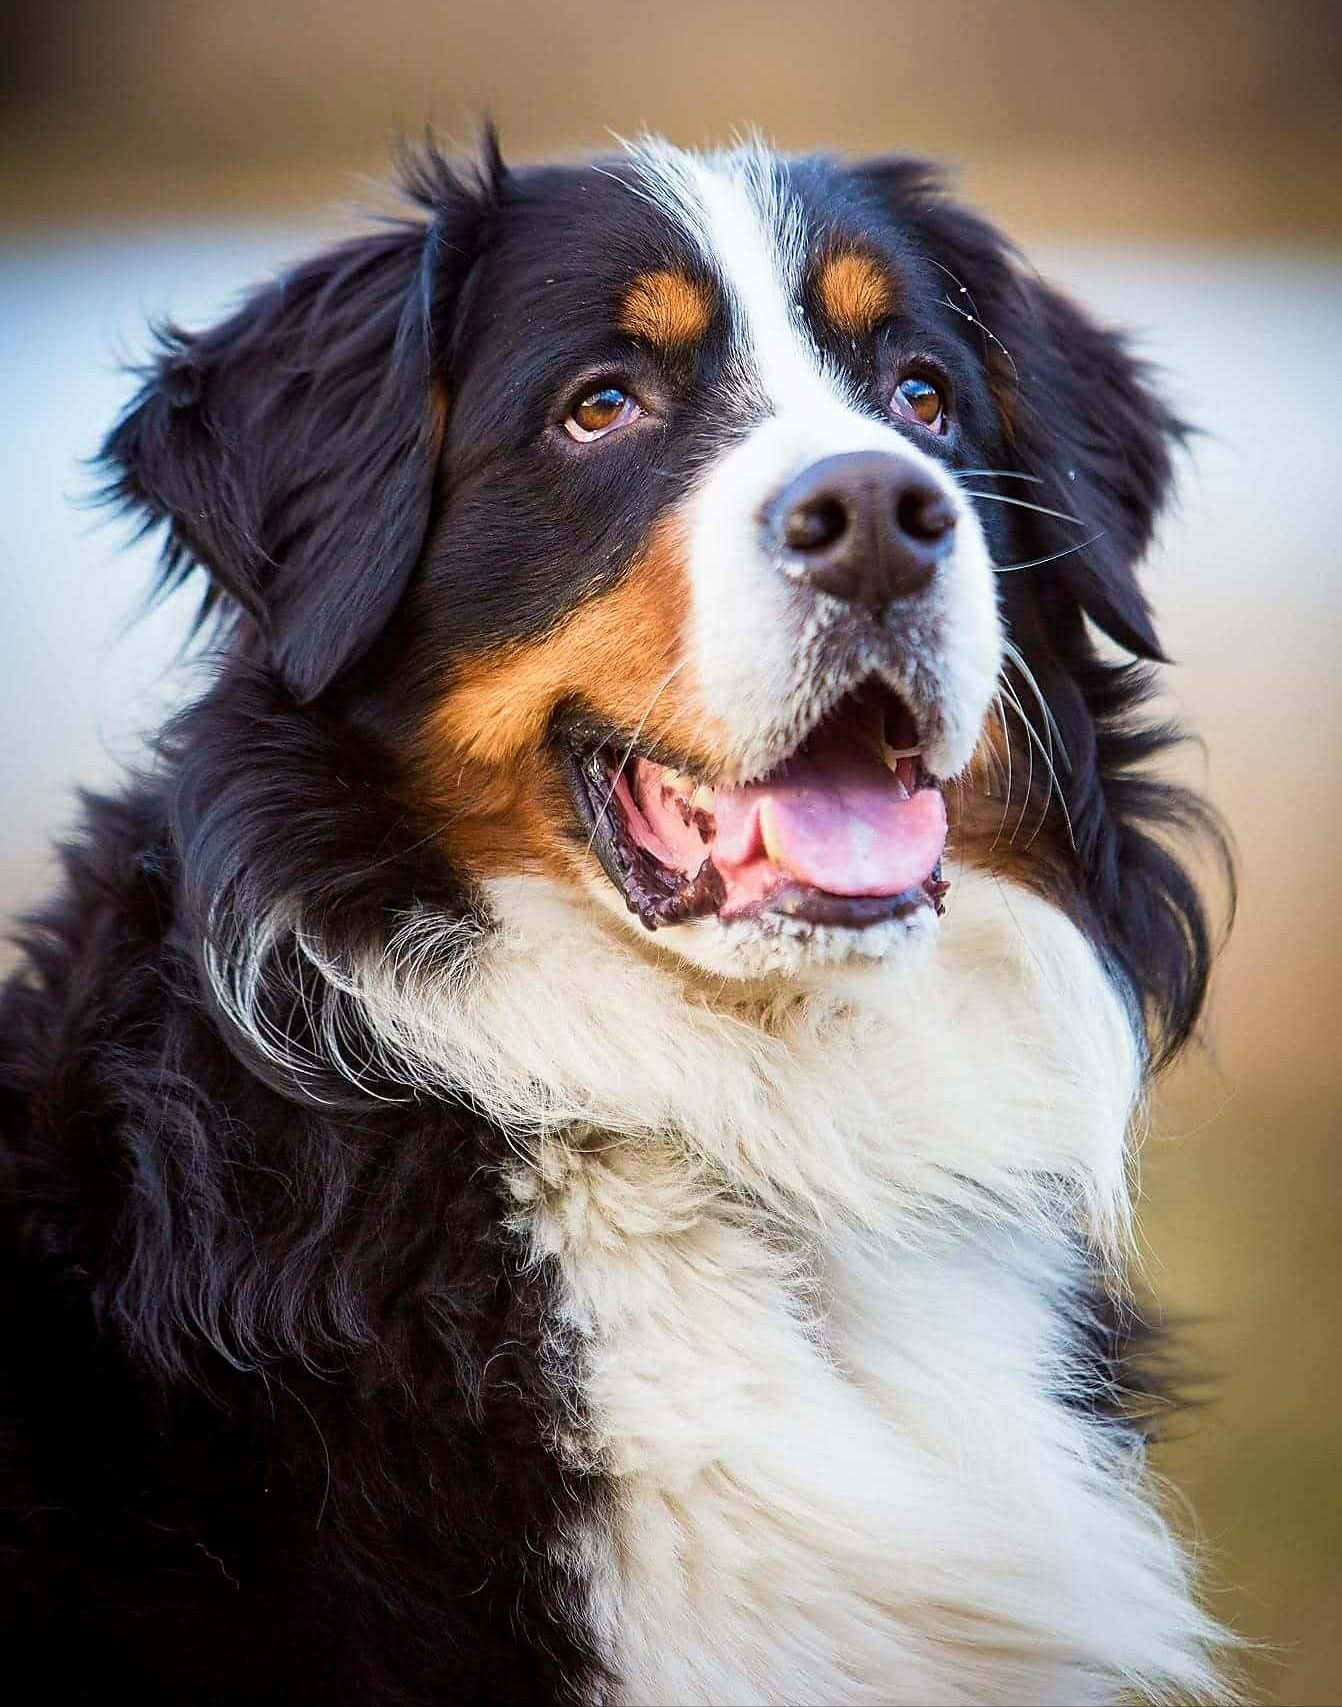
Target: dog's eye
[(601, 412), (919, 400)]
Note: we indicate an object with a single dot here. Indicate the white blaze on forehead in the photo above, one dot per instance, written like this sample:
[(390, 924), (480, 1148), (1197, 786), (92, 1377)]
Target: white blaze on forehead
[(738, 210), (758, 642)]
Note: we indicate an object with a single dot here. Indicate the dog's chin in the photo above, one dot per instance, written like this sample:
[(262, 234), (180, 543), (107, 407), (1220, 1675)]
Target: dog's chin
[(775, 948)]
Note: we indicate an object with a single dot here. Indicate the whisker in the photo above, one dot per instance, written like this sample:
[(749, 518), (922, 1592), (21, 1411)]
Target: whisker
[(1053, 556), (999, 473), (1006, 795), (628, 752), (962, 289), (1029, 779), (1030, 749), (994, 779), (1014, 653), (1025, 504), (1052, 730), (1033, 734)]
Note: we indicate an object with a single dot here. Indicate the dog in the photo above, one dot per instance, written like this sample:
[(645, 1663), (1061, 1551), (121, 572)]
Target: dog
[(570, 1135)]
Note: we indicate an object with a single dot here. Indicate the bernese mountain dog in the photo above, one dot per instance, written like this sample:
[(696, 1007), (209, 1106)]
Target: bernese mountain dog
[(569, 1137)]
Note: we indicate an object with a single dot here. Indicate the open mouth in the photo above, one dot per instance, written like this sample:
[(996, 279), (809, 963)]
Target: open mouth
[(849, 830)]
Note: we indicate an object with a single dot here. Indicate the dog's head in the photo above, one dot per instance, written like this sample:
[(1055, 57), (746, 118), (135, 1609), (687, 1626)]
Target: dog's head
[(721, 536)]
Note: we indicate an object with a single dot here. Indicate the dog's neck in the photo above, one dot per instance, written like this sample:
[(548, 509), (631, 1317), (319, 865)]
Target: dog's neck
[(995, 1070), (818, 1276)]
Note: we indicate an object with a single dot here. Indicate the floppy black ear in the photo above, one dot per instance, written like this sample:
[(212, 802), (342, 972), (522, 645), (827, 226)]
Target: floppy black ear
[(1079, 412), (291, 450)]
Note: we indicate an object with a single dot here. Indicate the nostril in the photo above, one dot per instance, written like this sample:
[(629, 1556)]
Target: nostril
[(864, 527), (815, 525), (924, 513)]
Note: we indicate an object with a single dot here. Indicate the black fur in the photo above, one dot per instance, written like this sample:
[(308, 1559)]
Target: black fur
[(1086, 419), (293, 449), (280, 1391), (283, 1394)]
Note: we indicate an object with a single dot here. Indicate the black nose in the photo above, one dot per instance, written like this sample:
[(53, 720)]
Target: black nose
[(864, 527)]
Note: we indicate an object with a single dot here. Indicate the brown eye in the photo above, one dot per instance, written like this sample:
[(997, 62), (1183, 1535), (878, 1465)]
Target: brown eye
[(601, 412), (919, 400)]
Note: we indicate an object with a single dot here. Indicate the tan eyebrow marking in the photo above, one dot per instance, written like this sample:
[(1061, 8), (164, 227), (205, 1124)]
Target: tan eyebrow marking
[(667, 309), (855, 292)]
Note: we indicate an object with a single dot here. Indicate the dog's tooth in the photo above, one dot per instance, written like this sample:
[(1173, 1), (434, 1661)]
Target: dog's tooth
[(768, 832), (703, 799), (891, 756), (894, 757)]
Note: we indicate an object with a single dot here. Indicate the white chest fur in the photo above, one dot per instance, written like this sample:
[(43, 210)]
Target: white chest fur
[(817, 1251), (846, 1475)]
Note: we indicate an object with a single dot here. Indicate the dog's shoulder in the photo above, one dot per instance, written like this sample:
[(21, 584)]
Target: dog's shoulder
[(270, 1359)]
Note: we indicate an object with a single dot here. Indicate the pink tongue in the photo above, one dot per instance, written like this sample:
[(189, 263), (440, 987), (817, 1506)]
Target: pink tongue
[(845, 825)]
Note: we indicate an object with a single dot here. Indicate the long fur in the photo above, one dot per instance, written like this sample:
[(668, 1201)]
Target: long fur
[(424, 1285)]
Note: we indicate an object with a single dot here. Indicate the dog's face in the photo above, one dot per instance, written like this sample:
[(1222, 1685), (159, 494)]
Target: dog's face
[(667, 521), (728, 608)]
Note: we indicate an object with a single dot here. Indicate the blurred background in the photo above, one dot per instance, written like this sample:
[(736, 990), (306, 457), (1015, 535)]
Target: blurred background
[(1176, 165)]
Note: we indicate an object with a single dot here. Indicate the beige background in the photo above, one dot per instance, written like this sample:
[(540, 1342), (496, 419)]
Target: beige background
[(1178, 165)]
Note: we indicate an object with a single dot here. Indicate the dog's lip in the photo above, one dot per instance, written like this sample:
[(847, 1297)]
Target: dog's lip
[(655, 894), (842, 831), (855, 912)]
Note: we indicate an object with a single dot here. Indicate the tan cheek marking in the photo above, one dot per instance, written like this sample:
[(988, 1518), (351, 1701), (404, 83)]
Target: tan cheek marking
[(484, 768), (666, 309), (855, 292)]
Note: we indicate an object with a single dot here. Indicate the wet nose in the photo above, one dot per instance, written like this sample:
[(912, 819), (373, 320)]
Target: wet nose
[(864, 527)]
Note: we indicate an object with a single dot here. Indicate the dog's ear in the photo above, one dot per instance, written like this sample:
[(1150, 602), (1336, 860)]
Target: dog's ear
[(291, 450), (1080, 414)]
